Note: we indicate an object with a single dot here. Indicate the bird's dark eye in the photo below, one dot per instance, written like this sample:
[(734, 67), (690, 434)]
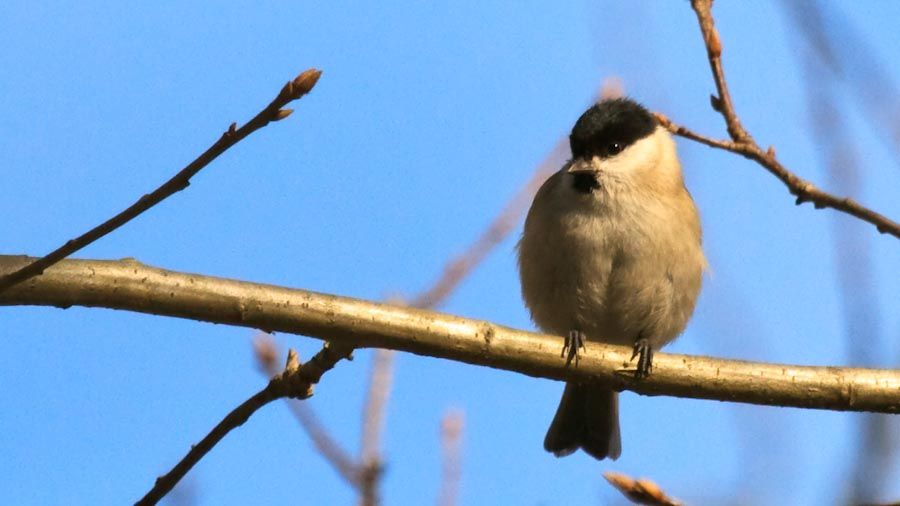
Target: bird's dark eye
[(613, 148)]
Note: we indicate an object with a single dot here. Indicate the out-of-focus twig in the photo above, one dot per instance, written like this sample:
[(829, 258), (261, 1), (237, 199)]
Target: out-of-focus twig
[(458, 268), (293, 90), (612, 87), (872, 466), (373, 417), (373, 424), (742, 142), (267, 357), (186, 493), (451, 465), (641, 490), (844, 54), (295, 381)]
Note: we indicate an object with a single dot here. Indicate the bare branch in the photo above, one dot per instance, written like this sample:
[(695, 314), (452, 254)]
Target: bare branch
[(373, 417), (133, 286), (373, 424), (328, 447), (451, 438), (743, 144), (641, 491), (845, 55), (295, 381), (871, 467), (722, 103), (293, 90)]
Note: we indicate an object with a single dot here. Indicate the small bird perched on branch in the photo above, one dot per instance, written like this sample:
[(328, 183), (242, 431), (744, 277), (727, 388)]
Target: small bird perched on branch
[(611, 252)]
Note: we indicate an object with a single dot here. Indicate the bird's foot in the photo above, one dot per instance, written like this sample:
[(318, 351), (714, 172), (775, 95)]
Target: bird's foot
[(574, 343), (644, 352)]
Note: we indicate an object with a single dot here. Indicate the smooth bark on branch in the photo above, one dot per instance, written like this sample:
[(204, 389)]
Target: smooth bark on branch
[(130, 285)]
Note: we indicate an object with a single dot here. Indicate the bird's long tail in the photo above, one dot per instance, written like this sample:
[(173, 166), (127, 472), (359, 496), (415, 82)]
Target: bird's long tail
[(587, 418)]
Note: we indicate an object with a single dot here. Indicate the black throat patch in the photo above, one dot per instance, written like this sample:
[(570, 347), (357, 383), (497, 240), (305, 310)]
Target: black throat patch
[(585, 182)]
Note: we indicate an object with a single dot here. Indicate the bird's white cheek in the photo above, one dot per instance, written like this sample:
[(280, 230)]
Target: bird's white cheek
[(640, 155)]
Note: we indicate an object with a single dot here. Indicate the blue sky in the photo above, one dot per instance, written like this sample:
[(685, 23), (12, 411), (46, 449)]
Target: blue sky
[(427, 119)]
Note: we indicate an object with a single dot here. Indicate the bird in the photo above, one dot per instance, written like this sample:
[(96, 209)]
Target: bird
[(611, 252)]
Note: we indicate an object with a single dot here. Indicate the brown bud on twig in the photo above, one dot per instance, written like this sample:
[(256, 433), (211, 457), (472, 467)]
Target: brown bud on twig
[(803, 192), (282, 113), (306, 80), (301, 85), (641, 491), (293, 361), (297, 384)]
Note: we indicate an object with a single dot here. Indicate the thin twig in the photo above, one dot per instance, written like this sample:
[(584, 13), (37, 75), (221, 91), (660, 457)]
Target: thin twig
[(291, 91), (373, 413), (296, 381), (451, 443), (845, 55), (721, 103), (373, 424), (328, 447), (743, 144), (130, 285), (641, 490), (871, 467)]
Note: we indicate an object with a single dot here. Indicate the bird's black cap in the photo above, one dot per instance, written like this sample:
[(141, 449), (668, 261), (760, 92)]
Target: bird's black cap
[(609, 127)]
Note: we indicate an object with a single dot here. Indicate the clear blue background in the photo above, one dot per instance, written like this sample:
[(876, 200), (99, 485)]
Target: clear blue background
[(428, 118)]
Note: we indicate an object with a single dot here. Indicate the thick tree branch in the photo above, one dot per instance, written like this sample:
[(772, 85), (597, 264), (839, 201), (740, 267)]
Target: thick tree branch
[(743, 144), (130, 285), (295, 381), (299, 86)]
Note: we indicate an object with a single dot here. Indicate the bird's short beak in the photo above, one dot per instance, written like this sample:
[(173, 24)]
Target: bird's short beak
[(581, 167)]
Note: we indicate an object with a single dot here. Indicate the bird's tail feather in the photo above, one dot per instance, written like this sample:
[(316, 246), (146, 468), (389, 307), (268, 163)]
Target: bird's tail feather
[(587, 418)]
